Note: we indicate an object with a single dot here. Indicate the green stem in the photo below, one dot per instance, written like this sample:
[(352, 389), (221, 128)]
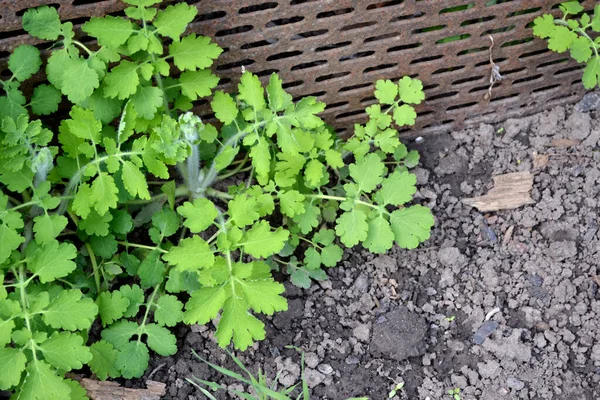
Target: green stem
[(239, 168), (310, 242), (23, 298), (218, 194), (82, 46), (95, 268), (142, 246), (148, 307), (338, 198)]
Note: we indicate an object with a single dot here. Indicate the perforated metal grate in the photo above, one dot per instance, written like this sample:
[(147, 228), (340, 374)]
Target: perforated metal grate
[(337, 49)]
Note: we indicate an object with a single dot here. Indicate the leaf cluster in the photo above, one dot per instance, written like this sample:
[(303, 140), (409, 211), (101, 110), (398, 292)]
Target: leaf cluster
[(575, 36), (134, 215)]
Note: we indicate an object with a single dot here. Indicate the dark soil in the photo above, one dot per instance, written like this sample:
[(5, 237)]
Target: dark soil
[(416, 316)]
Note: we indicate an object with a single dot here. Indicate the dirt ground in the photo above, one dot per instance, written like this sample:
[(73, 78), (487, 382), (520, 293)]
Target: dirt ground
[(503, 305)]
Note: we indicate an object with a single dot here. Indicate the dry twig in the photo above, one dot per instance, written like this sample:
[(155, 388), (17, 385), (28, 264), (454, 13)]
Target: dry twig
[(494, 73)]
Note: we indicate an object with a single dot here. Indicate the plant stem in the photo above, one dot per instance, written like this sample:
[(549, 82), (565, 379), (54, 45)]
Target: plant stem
[(218, 194), (148, 306), (338, 198), (142, 246), (94, 267)]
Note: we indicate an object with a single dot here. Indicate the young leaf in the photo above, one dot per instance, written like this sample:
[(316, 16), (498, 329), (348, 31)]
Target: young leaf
[(386, 91), (173, 20), (42, 383), (79, 79), (191, 254), (198, 216), (405, 115), (398, 188), (110, 31), (147, 100), (224, 107), (53, 260), (367, 172), (135, 294), (45, 99), (123, 81), (352, 227), (111, 306), (411, 225), (168, 311), (279, 100), (11, 376), (119, 333), (24, 62), (194, 52), (133, 359), (204, 304), (42, 22), (380, 237), (411, 90), (243, 210), (259, 241), (133, 180), (104, 357), (161, 340), (591, 74), (70, 312), (65, 351), (251, 91), (103, 193), (47, 227), (196, 84), (237, 324)]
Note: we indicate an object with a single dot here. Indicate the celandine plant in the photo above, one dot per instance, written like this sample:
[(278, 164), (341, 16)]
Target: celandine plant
[(574, 35), (138, 215)]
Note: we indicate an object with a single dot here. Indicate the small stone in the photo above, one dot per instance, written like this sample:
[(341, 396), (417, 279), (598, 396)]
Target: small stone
[(362, 332), (325, 369), (313, 378), (352, 360), (451, 257), (484, 331), (514, 383), (562, 250), (589, 102), (488, 369), (311, 360)]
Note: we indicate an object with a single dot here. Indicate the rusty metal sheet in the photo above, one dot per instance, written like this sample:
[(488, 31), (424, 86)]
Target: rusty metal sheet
[(337, 49)]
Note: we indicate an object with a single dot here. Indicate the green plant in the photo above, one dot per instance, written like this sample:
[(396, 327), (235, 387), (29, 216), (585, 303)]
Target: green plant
[(142, 214), (454, 393), (574, 35), (259, 386), (399, 386)]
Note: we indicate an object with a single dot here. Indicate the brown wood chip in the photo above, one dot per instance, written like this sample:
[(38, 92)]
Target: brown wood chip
[(107, 390), (564, 142), (509, 191), (540, 160)]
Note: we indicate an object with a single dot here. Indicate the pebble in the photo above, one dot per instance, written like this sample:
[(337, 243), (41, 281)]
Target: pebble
[(484, 331), (325, 369), (514, 383), (362, 332), (352, 360), (313, 377), (589, 102)]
